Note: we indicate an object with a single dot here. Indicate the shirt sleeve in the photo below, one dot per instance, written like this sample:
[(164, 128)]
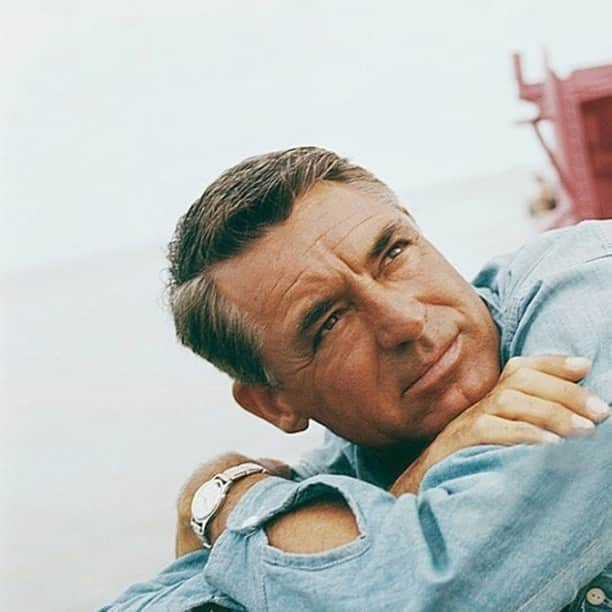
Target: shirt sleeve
[(178, 588), (554, 296), (520, 528), (491, 528)]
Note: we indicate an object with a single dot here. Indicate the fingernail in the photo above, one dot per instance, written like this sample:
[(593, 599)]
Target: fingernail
[(551, 438), (580, 424), (598, 408), (577, 363)]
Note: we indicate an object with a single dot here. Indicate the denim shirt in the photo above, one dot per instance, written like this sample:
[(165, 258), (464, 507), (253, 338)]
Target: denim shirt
[(491, 528)]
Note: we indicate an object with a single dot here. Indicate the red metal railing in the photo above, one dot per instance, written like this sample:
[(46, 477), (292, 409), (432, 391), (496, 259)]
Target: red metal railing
[(579, 108)]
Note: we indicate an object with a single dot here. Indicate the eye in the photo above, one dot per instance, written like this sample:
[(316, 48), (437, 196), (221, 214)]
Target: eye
[(325, 328), (395, 250)]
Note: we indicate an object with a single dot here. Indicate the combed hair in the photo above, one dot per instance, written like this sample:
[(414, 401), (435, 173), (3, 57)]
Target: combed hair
[(233, 212)]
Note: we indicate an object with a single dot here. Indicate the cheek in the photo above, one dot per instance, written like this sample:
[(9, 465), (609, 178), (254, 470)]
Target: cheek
[(482, 357), (349, 373), (444, 282)]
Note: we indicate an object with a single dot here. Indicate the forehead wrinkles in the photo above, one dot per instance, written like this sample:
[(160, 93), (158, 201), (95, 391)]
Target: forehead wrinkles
[(346, 214), (327, 258)]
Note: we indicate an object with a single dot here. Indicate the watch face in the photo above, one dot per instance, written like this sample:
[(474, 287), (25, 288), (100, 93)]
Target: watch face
[(206, 499)]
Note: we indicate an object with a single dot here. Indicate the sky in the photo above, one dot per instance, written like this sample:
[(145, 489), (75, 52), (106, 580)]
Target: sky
[(116, 115)]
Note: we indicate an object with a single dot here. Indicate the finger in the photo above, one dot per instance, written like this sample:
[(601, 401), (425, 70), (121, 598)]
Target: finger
[(555, 389), (496, 430), (552, 416), (563, 366)]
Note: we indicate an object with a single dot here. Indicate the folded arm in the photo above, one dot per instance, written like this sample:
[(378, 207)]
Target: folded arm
[(505, 527), (534, 397)]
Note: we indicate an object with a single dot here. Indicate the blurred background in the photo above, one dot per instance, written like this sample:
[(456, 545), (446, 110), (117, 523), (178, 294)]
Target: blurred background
[(114, 117)]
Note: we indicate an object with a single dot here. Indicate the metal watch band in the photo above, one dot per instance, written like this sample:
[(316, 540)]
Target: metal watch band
[(240, 471), (223, 481)]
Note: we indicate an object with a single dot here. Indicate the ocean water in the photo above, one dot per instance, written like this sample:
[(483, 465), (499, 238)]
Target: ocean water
[(104, 415)]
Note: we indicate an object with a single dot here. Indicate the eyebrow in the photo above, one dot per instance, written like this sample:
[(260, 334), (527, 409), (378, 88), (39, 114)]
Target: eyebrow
[(313, 314), (320, 307), (382, 240)]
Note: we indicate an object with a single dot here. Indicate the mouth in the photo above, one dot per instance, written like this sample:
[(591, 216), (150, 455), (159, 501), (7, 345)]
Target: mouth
[(436, 371)]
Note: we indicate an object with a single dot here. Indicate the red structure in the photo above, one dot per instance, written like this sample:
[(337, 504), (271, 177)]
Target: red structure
[(580, 110)]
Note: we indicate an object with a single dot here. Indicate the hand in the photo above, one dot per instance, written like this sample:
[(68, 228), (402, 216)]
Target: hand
[(186, 540), (535, 401)]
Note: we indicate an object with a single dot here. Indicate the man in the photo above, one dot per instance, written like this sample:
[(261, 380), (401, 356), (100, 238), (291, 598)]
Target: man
[(298, 274)]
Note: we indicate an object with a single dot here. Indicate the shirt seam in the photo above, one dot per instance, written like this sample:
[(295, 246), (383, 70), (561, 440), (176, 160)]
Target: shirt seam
[(517, 302)]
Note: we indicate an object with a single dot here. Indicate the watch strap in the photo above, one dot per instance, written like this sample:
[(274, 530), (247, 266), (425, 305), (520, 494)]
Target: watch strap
[(224, 481), (240, 471)]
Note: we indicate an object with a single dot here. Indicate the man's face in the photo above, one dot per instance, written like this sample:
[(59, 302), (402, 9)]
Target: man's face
[(366, 326)]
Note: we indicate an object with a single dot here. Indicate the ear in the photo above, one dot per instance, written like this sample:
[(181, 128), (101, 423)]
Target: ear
[(268, 404)]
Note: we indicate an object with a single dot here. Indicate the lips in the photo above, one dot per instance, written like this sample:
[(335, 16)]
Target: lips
[(436, 370)]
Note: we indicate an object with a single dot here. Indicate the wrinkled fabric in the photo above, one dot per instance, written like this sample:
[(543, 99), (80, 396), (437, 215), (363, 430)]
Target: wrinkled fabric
[(491, 528)]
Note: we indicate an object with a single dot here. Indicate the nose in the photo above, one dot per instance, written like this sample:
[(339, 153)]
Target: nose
[(397, 317)]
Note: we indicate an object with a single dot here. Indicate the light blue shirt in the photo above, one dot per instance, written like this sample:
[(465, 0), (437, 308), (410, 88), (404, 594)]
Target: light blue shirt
[(492, 528)]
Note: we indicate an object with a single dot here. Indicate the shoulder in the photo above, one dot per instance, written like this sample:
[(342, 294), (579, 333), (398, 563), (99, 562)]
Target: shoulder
[(551, 290), (559, 264), (556, 250), (545, 255)]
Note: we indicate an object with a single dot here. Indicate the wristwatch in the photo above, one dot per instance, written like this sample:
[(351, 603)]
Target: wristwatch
[(209, 497)]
